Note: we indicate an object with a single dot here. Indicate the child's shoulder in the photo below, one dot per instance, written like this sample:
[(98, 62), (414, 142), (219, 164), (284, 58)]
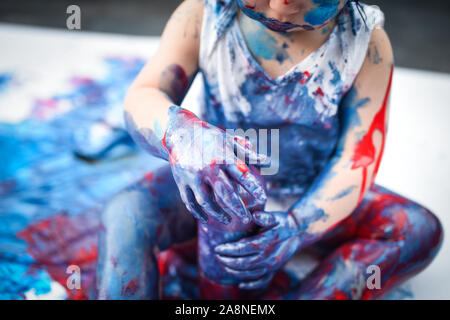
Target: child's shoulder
[(361, 18)]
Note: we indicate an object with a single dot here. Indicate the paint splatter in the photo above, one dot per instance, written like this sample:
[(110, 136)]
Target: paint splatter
[(325, 10)]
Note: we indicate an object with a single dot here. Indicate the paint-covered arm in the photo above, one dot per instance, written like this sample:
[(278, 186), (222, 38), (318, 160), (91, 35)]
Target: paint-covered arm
[(337, 190), (165, 79), (202, 158), (351, 171)]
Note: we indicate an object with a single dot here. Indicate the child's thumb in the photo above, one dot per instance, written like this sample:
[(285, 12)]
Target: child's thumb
[(264, 219)]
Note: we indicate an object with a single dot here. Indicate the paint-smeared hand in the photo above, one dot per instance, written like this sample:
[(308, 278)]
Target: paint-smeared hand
[(205, 168), (255, 259)]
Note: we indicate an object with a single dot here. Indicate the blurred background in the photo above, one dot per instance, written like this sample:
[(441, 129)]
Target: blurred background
[(419, 30)]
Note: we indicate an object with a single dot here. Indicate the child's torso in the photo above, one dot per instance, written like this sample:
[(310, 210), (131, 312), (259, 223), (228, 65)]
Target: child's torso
[(245, 90)]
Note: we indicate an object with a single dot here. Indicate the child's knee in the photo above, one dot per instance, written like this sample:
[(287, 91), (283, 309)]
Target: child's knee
[(130, 216), (429, 228), (418, 231)]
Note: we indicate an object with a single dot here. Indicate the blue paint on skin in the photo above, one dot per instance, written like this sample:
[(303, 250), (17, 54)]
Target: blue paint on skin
[(409, 244), (145, 138), (159, 132), (282, 53), (282, 234), (325, 10), (205, 155), (147, 216), (259, 40), (175, 82), (342, 193), (349, 113), (262, 43)]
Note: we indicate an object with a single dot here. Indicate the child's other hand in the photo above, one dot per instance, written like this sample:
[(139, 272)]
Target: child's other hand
[(205, 169), (255, 259)]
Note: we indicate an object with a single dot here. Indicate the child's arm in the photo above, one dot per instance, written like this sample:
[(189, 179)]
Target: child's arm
[(165, 79), (351, 171), (340, 187), (201, 156)]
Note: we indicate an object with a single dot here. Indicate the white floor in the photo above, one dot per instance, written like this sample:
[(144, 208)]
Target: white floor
[(416, 162)]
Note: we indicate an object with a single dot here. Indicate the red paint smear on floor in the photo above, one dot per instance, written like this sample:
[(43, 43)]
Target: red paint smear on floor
[(62, 240)]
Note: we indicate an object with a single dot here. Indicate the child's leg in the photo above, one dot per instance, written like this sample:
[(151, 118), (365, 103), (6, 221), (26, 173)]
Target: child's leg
[(386, 230), (138, 222)]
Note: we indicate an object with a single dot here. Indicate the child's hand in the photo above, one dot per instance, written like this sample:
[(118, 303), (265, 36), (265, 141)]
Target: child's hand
[(204, 166), (254, 260)]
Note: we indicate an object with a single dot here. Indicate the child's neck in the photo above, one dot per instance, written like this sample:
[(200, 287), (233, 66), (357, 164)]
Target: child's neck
[(278, 52)]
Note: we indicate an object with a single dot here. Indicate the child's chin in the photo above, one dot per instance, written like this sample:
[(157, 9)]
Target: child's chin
[(286, 27)]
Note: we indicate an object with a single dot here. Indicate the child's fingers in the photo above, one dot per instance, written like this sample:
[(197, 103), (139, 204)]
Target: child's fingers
[(264, 219), (249, 181), (242, 263), (239, 248), (245, 149), (247, 274), (189, 200), (227, 198), (208, 207), (251, 245), (257, 284)]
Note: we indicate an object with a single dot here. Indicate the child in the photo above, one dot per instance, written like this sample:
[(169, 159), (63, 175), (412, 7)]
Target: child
[(317, 72)]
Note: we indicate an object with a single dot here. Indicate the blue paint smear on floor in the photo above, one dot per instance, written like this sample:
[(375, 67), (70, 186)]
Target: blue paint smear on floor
[(42, 180)]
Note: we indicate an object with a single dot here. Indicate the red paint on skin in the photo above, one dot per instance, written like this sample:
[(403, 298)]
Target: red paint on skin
[(149, 177), (241, 166), (179, 83), (243, 141), (213, 163), (376, 228), (400, 219), (346, 252), (249, 6), (364, 154), (163, 262), (340, 295), (164, 140), (367, 295), (130, 289), (189, 114)]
